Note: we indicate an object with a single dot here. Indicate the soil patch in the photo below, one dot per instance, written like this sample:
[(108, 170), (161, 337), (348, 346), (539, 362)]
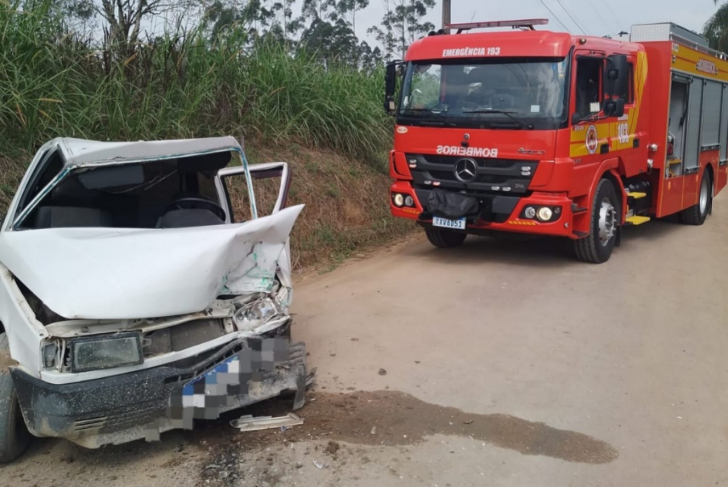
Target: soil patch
[(393, 418), (6, 361)]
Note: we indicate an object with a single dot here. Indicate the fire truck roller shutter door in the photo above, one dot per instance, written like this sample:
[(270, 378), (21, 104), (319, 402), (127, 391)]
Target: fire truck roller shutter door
[(692, 144)]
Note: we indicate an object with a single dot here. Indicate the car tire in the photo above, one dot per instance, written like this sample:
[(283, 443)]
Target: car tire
[(696, 215), (444, 239), (597, 247), (14, 435)]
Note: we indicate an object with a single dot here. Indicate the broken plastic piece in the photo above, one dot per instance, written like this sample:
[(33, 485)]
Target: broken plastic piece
[(311, 377), (249, 423), (319, 465)]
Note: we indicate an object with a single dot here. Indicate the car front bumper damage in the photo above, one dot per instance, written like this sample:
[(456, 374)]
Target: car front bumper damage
[(143, 404)]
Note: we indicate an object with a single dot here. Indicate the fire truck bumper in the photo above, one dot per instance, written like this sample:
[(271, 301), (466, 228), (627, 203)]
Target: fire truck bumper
[(537, 214)]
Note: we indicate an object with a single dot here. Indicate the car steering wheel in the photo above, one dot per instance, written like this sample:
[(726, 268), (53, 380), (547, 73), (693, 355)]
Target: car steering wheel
[(192, 202)]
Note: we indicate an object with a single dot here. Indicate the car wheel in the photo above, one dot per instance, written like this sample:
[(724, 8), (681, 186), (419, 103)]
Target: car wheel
[(696, 215), (14, 435), (444, 239), (597, 247)]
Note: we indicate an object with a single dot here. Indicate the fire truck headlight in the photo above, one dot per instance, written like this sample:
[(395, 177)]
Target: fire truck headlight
[(545, 213), (409, 201), (530, 212), (398, 200)]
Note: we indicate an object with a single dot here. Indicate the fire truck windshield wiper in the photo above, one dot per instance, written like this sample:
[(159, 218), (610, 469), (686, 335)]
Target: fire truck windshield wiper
[(507, 113), (428, 110)]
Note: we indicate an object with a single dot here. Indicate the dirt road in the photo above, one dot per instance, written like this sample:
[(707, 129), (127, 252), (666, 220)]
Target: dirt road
[(499, 364)]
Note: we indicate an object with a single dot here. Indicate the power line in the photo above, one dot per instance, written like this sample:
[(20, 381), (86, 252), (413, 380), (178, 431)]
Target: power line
[(555, 16), (571, 17), (603, 19), (611, 12)]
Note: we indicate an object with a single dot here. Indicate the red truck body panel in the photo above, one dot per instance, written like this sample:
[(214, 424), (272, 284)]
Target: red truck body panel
[(572, 159)]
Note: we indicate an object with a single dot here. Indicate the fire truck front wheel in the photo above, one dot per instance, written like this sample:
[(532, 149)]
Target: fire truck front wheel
[(444, 239), (696, 215), (598, 246)]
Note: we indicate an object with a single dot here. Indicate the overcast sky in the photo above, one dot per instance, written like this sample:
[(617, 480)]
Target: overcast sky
[(596, 17)]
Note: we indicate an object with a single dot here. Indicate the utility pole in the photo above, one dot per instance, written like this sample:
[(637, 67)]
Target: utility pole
[(446, 14)]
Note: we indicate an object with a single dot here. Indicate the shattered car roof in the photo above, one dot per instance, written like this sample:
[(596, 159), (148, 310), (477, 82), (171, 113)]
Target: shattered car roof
[(84, 152)]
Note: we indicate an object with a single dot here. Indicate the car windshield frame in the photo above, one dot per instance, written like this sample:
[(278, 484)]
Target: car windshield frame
[(447, 115), (20, 217)]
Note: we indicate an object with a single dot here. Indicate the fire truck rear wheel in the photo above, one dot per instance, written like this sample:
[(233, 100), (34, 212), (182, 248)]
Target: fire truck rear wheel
[(696, 215), (444, 239), (598, 246)]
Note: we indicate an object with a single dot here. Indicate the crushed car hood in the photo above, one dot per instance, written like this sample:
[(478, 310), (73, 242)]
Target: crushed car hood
[(119, 273)]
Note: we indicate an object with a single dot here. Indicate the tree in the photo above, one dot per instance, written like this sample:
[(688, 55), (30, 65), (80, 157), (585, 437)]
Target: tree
[(124, 21), (402, 24), (716, 28), (345, 7), (332, 42), (369, 58)]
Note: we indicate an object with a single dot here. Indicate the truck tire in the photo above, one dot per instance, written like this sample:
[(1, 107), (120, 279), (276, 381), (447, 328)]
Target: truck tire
[(444, 239), (696, 215), (14, 435), (597, 247)]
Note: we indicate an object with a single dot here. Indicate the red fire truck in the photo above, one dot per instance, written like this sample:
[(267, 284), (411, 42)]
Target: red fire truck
[(547, 133)]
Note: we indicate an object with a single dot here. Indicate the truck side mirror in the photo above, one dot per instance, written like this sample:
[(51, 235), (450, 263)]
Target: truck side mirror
[(617, 76), (390, 86)]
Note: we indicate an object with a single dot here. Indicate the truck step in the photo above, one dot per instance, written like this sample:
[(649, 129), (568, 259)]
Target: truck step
[(637, 220), (637, 195)]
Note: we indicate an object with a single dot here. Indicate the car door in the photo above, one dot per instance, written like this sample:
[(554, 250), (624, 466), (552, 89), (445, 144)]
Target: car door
[(264, 193)]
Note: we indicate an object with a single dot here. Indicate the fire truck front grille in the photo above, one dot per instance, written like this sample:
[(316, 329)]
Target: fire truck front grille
[(491, 176)]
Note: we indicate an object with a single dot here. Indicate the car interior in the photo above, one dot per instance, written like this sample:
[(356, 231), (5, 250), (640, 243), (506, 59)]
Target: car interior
[(173, 193)]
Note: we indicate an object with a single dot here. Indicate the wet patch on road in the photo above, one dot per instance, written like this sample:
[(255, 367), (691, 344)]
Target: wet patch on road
[(393, 418)]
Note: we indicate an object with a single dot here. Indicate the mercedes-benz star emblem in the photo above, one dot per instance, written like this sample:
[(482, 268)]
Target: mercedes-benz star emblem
[(466, 170)]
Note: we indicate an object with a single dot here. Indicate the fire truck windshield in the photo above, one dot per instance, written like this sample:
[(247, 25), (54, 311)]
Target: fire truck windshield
[(491, 93)]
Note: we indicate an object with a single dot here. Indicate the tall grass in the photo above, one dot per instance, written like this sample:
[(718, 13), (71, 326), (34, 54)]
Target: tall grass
[(178, 85)]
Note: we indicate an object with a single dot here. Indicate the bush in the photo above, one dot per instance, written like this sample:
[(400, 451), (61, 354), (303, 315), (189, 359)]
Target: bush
[(179, 85)]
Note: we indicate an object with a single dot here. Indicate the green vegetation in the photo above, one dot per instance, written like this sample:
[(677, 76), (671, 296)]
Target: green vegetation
[(716, 28), (181, 85)]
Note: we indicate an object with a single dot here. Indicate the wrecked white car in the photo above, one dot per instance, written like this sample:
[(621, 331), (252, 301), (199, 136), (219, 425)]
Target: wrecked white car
[(132, 301)]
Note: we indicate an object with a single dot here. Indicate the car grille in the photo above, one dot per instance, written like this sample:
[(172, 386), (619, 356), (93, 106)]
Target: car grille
[(493, 176)]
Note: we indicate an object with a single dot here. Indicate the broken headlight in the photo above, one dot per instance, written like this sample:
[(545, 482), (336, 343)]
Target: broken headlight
[(50, 355), (104, 352), (256, 313)]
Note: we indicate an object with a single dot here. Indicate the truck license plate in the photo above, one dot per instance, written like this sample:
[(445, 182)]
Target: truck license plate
[(458, 224)]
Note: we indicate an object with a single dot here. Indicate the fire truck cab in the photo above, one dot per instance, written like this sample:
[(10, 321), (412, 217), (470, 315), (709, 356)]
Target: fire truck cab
[(545, 133)]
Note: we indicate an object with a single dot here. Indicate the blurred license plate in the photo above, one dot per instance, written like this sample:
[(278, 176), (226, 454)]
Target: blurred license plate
[(458, 224)]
